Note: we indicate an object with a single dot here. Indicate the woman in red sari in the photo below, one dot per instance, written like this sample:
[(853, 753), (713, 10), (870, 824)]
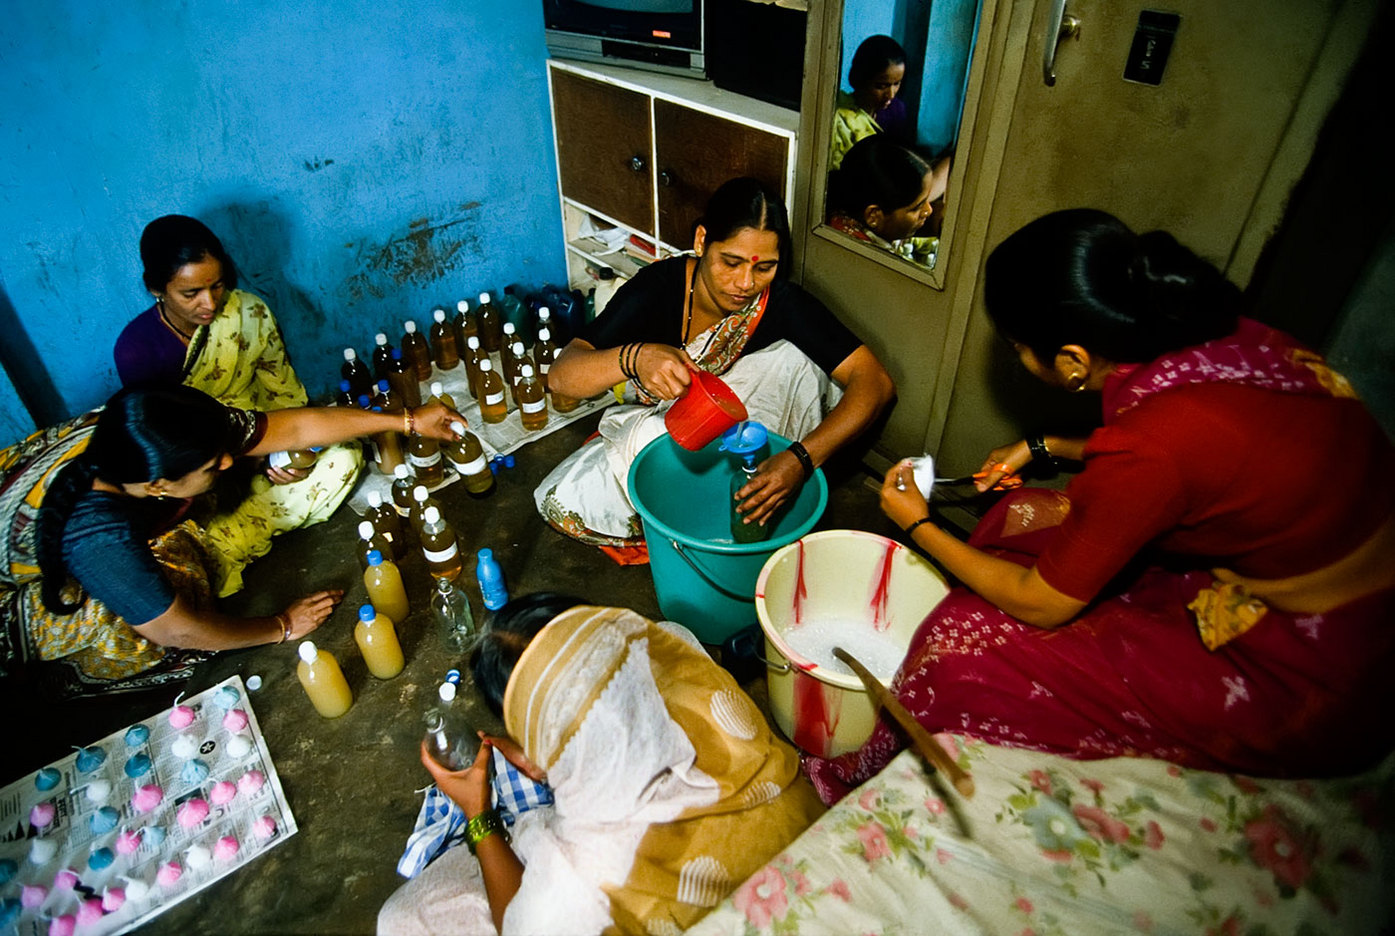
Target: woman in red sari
[(1215, 588)]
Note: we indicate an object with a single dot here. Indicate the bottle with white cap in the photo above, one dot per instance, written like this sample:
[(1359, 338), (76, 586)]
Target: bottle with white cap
[(439, 394), (354, 371), (449, 739), (532, 400), (466, 455), (387, 522), (439, 545), (323, 681), (450, 606), (465, 323), (370, 539), (494, 408), (490, 324), (473, 355), (445, 347), (402, 484), (382, 354)]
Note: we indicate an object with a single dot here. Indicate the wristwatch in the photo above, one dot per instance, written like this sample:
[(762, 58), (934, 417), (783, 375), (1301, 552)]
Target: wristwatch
[(1036, 444)]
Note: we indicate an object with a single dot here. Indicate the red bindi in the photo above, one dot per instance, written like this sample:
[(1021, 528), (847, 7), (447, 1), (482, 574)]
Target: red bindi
[(755, 259)]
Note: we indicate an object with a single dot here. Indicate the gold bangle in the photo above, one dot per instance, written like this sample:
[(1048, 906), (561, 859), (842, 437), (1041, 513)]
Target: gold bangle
[(409, 422), (483, 826), (284, 620)]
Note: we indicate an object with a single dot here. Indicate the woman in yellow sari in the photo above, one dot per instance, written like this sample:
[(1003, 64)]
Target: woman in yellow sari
[(207, 334)]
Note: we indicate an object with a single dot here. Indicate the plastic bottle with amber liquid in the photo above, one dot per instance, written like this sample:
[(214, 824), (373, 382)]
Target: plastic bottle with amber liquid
[(354, 371), (508, 358), (369, 539), (387, 522), (424, 455), (382, 356), (467, 456), (416, 351), (402, 484), (519, 359), (439, 395), (421, 502), (532, 400), (473, 355), (345, 396), (403, 379), (465, 324), (301, 459), (387, 449), (544, 353), (445, 346), (439, 545), (323, 681), (491, 326), (385, 589), (494, 408), (377, 642)]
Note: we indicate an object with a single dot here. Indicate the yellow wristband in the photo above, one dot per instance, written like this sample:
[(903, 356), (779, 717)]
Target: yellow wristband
[(483, 826)]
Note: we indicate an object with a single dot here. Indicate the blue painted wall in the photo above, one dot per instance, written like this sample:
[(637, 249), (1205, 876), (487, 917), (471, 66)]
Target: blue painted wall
[(362, 162)]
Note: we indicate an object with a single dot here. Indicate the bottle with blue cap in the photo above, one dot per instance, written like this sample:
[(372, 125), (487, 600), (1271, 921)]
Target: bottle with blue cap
[(450, 741), (384, 584), (377, 642), (491, 579), (748, 441)]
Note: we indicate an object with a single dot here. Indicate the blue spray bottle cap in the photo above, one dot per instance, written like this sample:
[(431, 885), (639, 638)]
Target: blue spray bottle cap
[(367, 612)]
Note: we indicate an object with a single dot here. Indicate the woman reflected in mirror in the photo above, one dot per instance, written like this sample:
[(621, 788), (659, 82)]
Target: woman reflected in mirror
[(872, 107), (884, 195)]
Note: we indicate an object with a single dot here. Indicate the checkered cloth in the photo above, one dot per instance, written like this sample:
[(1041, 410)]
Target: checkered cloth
[(441, 823)]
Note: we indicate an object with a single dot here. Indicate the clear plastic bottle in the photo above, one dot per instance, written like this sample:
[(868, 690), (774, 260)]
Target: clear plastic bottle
[(369, 539), (494, 408), (532, 400), (473, 355), (387, 522), (403, 378), (323, 681), (491, 328), (450, 606), (491, 579), (445, 349), (402, 484), (377, 642), (450, 741), (417, 352), (384, 584), (382, 355), (467, 456), (439, 394), (439, 545), (354, 371), (424, 455)]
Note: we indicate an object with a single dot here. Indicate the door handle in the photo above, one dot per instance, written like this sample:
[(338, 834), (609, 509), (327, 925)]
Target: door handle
[(1059, 25)]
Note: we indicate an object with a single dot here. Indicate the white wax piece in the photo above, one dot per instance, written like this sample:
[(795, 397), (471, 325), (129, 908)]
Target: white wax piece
[(239, 746), (136, 889), (42, 850), (98, 791), (184, 747), (199, 856)]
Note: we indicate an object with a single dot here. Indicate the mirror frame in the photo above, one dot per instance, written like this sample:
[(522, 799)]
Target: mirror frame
[(828, 45)]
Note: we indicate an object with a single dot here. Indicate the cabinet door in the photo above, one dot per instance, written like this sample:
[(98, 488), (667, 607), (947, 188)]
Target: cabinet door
[(603, 148), (696, 152)]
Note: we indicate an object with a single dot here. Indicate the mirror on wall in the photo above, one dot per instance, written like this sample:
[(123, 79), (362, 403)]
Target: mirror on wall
[(902, 78)]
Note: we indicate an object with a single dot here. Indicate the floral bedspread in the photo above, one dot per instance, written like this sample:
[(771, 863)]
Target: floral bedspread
[(1054, 846)]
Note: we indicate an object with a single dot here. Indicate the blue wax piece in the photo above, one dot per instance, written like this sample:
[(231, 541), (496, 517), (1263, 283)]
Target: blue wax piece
[(155, 835), (137, 765), (101, 859), (226, 697), (9, 911), (47, 778), (103, 820), (137, 735), (90, 758), (194, 772), (8, 869)]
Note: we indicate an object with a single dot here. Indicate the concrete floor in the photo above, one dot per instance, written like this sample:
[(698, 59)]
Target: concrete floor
[(351, 781)]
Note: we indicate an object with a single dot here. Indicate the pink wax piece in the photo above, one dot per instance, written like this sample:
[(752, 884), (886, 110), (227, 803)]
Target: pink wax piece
[(147, 797), (181, 717), (264, 827), (113, 899), (193, 812), (62, 925), (128, 841), (222, 792), (32, 895), (169, 874), (41, 815), (89, 911), (66, 879), (235, 720), (250, 782), (225, 849)]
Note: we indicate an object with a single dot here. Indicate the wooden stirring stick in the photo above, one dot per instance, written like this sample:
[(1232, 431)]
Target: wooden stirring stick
[(929, 748)]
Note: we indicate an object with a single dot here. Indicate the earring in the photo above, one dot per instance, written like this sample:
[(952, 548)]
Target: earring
[(1075, 382)]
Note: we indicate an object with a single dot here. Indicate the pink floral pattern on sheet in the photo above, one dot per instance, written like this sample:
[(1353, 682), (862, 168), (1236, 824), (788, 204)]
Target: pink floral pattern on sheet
[(1053, 847)]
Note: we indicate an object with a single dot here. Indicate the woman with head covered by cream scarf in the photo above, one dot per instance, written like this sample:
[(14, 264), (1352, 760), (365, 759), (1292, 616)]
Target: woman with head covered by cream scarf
[(670, 788)]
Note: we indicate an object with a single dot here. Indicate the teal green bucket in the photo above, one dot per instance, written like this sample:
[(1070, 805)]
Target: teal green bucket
[(705, 581)]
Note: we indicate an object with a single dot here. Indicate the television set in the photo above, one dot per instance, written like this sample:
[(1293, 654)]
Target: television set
[(657, 35)]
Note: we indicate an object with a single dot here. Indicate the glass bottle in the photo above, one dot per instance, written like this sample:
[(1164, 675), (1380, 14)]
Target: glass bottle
[(439, 395), (545, 320), (445, 350), (421, 500), (403, 379), (450, 741), (387, 522), (384, 584), (450, 606), (360, 381), (439, 545), (466, 455), (387, 449), (508, 359), (402, 484), (323, 681), (417, 353), (424, 455), (466, 326), (493, 407), (544, 353), (371, 538), (377, 643), (491, 328), (532, 400), (518, 358), (382, 354), (473, 355)]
